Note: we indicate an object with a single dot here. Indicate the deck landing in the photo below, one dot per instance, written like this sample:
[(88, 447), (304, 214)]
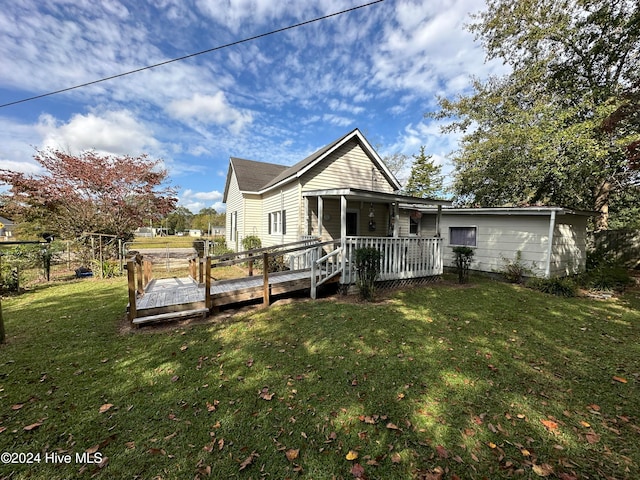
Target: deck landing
[(172, 298)]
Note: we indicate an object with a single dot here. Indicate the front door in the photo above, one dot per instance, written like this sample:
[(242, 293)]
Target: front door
[(352, 224)]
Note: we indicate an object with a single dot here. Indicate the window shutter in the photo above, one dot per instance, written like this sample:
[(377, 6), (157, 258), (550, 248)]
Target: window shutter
[(284, 222), (269, 223)]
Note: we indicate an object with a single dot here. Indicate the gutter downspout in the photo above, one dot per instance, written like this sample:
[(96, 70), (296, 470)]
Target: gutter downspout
[(552, 227)]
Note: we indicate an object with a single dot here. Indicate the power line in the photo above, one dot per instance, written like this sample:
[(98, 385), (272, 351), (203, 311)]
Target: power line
[(209, 50)]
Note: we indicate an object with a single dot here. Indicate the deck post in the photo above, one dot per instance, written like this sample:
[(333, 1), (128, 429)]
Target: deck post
[(139, 273), (201, 267), (320, 215), (265, 279), (313, 279), (207, 283), (250, 264), (131, 281)]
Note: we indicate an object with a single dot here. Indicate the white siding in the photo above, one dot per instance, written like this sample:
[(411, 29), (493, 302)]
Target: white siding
[(349, 166), (235, 205), (499, 237), (252, 216), (569, 245), (287, 199)]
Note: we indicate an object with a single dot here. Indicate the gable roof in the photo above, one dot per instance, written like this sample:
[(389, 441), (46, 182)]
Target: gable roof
[(304, 165), (251, 175), (260, 177)]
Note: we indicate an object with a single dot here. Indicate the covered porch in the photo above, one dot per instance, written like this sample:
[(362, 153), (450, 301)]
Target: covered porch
[(355, 218)]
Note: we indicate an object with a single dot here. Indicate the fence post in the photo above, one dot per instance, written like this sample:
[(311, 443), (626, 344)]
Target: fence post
[(265, 279), (313, 280), (131, 282), (207, 283), (139, 273)]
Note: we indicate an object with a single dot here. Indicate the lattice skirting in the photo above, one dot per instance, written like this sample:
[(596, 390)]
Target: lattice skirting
[(391, 284)]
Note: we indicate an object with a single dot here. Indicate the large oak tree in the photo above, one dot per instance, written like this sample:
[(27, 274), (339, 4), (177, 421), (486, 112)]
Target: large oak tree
[(89, 193), (562, 128)]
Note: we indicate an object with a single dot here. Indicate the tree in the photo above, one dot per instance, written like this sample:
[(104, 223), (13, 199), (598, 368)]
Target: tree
[(207, 217), (426, 177), (89, 192), (396, 163), (560, 128), (179, 220)]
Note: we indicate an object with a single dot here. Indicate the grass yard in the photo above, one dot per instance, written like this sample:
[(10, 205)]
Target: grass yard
[(488, 380)]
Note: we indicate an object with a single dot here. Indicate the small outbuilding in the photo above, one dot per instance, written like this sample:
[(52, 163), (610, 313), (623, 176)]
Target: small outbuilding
[(552, 241)]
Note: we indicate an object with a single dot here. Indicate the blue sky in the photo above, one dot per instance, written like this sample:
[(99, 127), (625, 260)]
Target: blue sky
[(275, 99)]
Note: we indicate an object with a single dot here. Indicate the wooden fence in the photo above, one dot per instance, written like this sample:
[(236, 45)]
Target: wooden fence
[(618, 246)]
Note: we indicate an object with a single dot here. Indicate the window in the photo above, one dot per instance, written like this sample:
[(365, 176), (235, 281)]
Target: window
[(413, 225), (463, 236), (277, 222)]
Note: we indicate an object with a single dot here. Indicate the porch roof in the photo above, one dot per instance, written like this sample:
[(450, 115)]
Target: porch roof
[(357, 194)]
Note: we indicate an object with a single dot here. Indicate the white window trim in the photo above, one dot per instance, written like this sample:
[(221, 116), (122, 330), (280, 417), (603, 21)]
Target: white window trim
[(276, 222)]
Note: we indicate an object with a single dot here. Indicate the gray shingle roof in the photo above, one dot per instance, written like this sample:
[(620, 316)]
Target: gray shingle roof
[(253, 175)]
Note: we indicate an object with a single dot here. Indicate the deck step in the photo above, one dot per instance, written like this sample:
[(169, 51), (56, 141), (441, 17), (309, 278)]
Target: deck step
[(170, 316)]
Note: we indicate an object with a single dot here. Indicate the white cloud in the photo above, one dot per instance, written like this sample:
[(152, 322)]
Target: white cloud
[(113, 132), (196, 201), (210, 109)]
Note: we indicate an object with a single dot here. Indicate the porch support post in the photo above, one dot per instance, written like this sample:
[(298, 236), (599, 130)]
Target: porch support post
[(320, 215), (396, 223), (307, 229), (438, 219), (343, 234), (343, 217)]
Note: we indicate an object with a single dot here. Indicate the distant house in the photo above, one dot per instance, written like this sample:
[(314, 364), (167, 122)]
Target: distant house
[(6, 229), (344, 192)]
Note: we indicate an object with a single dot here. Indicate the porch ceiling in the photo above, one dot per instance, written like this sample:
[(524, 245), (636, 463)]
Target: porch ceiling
[(371, 196)]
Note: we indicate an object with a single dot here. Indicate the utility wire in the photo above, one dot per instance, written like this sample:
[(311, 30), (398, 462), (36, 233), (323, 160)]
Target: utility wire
[(238, 42)]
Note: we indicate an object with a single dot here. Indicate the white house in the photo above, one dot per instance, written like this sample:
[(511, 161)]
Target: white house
[(344, 189), (346, 194)]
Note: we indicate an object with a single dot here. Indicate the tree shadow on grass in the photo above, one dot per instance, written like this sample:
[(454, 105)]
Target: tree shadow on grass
[(433, 382)]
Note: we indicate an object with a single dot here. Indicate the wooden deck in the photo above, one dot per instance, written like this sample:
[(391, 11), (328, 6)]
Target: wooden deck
[(173, 298)]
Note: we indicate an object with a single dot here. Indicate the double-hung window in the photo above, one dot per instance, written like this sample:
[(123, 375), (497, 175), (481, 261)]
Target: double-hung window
[(463, 236), (277, 222)]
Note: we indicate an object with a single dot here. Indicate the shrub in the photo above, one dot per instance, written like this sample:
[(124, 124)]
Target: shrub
[(607, 278), (515, 271), (463, 256), (368, 267), (251, 242), (559, 286)]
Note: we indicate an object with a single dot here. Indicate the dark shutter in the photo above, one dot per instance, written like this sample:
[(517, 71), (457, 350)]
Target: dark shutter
[(269, 223), (284, 222)]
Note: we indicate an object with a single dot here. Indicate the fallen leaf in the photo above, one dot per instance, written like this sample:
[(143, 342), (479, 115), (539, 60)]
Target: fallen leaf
[(184, 347), (357, 470), (492, 445), (620, 379), (105, 407), (292, 454), (550, 424), (265, 395), (442, 452), (396, 458), (17, 406), (248, 461), (175, 378), (392, 426), (33, 426), (525, 452), (543, 470), (211, 407), (585, 424), (592, 437), (250, 362), (351, 455), (2, 429)]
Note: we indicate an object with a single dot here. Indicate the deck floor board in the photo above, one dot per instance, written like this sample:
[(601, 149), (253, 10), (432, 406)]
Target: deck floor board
[(168, 294)]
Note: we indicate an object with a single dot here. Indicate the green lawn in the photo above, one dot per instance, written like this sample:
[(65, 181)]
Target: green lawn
[(488, 380)]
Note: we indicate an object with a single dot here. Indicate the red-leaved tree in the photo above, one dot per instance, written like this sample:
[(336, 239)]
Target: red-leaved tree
[(89, 193)]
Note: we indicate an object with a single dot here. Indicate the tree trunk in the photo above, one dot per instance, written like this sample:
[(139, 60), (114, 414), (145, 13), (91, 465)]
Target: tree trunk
[(2, 334), (602, 205)]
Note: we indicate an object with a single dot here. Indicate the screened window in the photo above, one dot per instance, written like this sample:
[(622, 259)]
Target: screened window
[(413, 225), (463, 236)]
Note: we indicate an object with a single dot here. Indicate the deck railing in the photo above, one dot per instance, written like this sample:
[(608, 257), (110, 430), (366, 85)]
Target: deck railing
[(402, 258), (324, 269), (139, 274)]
